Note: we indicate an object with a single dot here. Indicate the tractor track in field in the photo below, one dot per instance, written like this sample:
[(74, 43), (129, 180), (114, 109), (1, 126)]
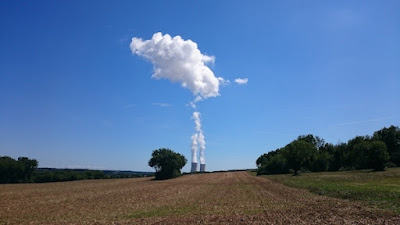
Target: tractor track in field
[(211, 198)]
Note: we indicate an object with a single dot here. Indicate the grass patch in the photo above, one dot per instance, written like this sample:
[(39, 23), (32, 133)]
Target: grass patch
[(376, 189), (252, 172)]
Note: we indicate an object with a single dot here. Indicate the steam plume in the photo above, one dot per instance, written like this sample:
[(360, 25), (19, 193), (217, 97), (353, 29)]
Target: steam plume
[(194, 148), (202, 145), (180, 60), (196, 117), (198, 139)]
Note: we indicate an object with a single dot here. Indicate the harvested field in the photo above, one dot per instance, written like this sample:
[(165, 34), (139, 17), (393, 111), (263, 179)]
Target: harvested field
[(215, 198)]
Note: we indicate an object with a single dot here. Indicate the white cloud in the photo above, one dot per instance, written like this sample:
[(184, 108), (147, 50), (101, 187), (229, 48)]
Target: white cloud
[(162, 104), (241, 80), (179, 60)]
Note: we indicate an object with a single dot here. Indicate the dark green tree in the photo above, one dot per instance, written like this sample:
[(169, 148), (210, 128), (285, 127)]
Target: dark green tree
[(272, 162), (262, 160), (167, 163), (321, 161), (372, 155), (276, 164), (13, 171), (298, 153), (391, 137), (338, 155), (10, 170), (355, 156), (316, 141), (378, 155), (28, 166)]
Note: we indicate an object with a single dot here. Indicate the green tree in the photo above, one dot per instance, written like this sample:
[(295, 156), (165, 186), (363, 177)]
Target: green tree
[(167, 163), (28, 166), (262, 159), (277, 164), (378, 155), (13, 171), (338, 155), (316, 141), (359, 153), (10, 170), (372, 155), (355, 156), (298, 153), (272, 162), (391, 137), (321, 161)]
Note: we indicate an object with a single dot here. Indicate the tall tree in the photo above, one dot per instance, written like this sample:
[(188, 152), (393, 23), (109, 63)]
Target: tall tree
[(272, 162), (10, 170), (167, 163), (262, 159), (314, 140), (391, 137), (298, 153), (354, 154), (378, 155), (13, 171), (28, 166), (338, 153), (371, 155)]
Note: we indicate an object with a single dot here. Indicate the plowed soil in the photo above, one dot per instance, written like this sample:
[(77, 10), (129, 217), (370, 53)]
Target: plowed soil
[(215, 198)]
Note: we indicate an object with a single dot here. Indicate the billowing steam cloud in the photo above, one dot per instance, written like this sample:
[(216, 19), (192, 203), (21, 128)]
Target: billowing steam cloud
[(181, 61)]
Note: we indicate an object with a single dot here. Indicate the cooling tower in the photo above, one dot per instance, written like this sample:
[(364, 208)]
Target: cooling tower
[(194, 167), (202, 167)]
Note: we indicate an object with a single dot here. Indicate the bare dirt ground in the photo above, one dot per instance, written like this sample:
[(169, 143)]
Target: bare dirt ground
[(216, 198)]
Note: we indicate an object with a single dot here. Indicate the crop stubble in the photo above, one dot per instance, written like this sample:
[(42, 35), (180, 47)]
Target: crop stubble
[(215, 198)]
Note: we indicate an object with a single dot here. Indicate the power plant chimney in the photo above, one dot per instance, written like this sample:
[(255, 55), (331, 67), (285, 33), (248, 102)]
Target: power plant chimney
[(202, 167), (194, 167)]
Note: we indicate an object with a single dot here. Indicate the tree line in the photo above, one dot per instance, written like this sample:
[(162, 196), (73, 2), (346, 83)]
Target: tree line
[(311, 153), (25, 170), (166, 162)]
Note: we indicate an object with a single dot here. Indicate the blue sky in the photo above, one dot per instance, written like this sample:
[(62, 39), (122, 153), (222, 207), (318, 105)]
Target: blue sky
[(72, 94)]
